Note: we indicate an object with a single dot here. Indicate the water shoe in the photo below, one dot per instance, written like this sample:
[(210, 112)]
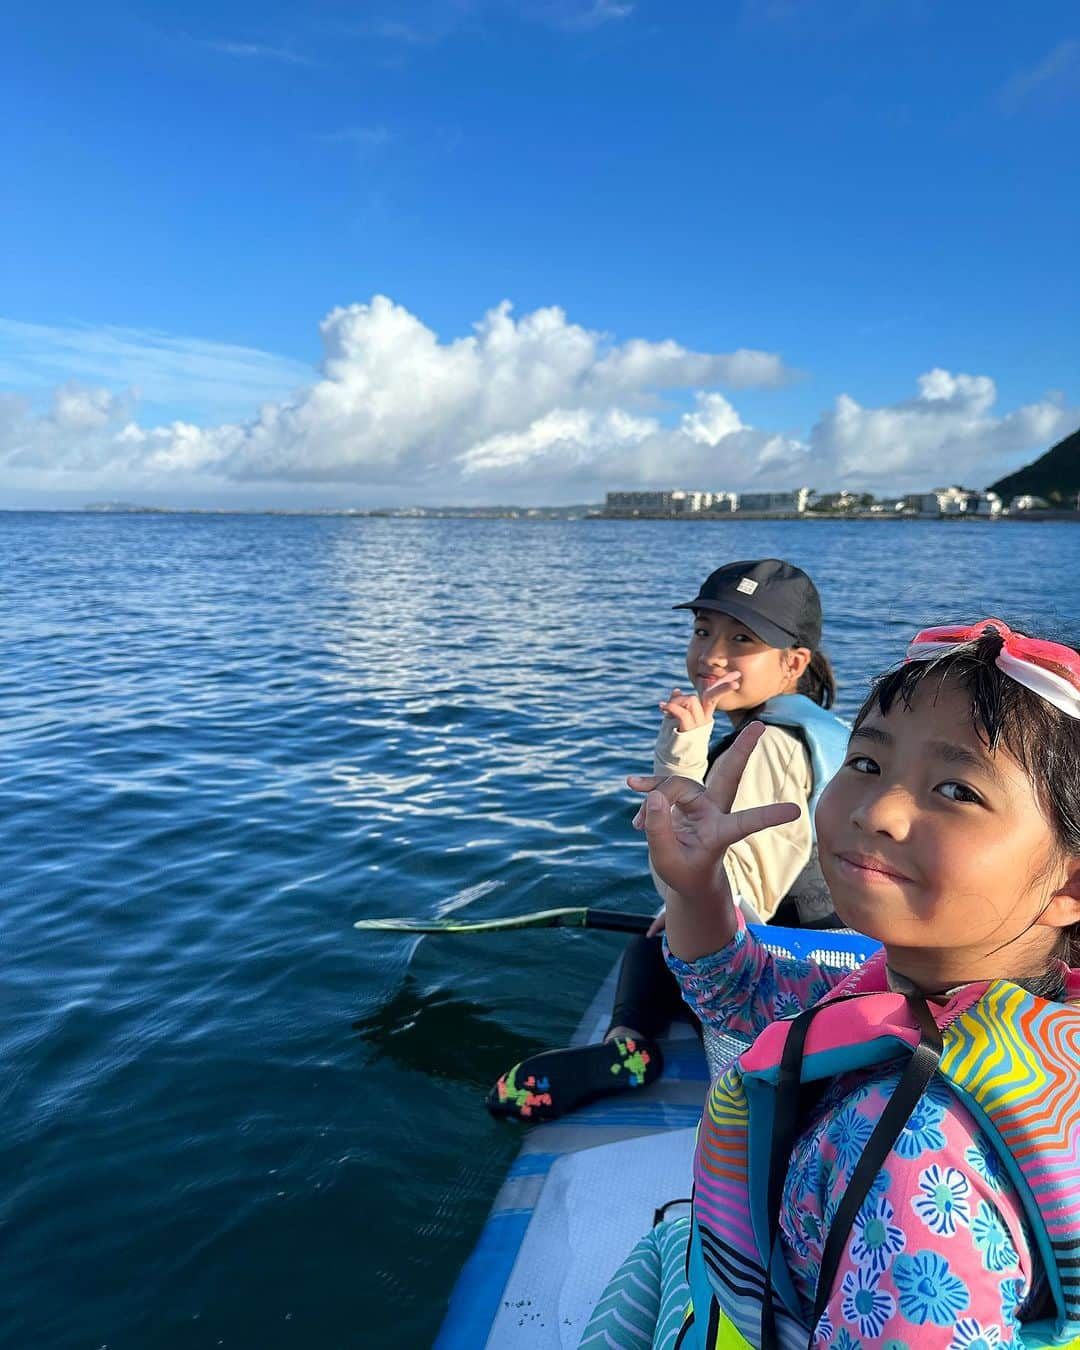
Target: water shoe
[(550, 1084)]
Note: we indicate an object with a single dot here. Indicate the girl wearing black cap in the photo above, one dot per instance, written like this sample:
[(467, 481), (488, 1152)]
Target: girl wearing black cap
[(754, 654)]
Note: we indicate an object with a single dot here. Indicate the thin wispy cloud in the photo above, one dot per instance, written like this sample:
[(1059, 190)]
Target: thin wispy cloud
[(579, 15), (257, 51), (433, 22), (393, 30), (209, 379), (1056, 75)]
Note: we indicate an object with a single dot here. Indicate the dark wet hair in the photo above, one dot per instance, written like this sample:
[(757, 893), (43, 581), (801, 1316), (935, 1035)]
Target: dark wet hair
[(1044, 740), (818, 681)]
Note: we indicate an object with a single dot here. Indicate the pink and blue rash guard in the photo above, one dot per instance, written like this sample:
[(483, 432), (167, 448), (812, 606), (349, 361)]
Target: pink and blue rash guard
[(940, 1254)]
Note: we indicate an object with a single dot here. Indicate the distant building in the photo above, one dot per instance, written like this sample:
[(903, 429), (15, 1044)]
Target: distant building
[(1028, 502), (676, 502), (922, 503), (773, 501), (952, 501), (639, 503)]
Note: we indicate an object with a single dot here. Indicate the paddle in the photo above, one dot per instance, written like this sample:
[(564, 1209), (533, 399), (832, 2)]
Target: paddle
[(607, 919)]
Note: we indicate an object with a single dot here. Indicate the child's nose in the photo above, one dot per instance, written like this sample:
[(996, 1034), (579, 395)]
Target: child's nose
[(888, 813)]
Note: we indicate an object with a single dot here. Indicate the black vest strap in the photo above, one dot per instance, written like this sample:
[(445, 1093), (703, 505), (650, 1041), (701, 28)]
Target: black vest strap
[(914, 1081), (788, 1121)]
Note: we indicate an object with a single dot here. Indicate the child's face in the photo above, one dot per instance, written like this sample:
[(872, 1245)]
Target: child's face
[(928, 841), (720, 644)]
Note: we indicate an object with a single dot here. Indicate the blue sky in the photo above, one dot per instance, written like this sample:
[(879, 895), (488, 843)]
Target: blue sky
[(866, 193)]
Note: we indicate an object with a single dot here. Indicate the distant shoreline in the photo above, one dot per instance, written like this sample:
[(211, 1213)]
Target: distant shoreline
[(542, 514)]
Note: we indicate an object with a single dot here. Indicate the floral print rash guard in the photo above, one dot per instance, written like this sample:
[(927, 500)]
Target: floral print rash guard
[(939, 1254)]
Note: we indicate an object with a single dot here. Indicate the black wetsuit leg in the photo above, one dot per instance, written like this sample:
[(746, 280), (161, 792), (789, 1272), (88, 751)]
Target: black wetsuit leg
[(647, 996)]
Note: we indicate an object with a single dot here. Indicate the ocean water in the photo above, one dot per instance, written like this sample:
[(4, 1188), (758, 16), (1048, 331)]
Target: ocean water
[(229, 1118)]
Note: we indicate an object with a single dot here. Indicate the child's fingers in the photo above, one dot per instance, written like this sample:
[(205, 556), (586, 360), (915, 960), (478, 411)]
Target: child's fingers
[(680, 714), (755, 818), (658, 924), (660, 832), (672, 787), (727, 774), (716, 691)]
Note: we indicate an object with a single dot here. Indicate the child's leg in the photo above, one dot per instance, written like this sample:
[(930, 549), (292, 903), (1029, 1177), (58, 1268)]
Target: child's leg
[(647, 997), (554, 1082)]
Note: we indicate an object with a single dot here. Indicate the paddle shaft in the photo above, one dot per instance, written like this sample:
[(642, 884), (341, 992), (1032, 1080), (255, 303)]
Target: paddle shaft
[(615, 922), (608, 919)]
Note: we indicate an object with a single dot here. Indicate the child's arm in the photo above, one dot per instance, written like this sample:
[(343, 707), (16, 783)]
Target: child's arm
[(682, 753), (744, 987), (689, 829)]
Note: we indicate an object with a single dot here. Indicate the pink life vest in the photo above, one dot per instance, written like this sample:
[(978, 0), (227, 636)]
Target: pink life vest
[(1012, 1059)]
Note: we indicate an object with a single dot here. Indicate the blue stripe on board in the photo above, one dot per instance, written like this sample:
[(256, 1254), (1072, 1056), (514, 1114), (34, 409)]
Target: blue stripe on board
[(685, 1066), (532, 1164), (475, 1299), (657, 1116)]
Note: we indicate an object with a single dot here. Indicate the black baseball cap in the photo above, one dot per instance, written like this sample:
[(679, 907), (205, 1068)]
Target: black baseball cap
[(775, 600)]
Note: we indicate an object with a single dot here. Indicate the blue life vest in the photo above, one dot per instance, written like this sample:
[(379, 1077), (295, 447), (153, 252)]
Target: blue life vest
[(824, 734), (808, 903)]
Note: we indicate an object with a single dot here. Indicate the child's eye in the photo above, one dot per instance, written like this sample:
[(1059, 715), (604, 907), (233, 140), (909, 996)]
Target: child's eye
[(959, 792), (862, 764), (701, 632)]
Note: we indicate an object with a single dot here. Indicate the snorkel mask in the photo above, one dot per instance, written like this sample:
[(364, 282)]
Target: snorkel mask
[(1046, 668)]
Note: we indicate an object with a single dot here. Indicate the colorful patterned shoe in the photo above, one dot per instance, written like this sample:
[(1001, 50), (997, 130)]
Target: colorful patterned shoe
[(548, 1085)]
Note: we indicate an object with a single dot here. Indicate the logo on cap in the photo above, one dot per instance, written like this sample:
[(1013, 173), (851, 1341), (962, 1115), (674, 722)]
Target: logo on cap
[(748, 586)]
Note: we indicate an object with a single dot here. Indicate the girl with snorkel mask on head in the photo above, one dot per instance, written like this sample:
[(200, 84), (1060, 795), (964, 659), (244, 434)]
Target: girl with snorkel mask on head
[(895, 1160)]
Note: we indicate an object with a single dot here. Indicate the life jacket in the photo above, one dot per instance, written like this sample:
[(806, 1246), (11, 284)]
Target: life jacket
[(807, 903), (1013, 1060)]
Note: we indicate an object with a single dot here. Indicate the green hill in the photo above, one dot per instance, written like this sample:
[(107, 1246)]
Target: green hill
[(1055, 475)]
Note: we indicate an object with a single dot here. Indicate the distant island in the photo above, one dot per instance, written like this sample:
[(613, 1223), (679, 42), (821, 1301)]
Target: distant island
[(1055, 476), (576, 512)]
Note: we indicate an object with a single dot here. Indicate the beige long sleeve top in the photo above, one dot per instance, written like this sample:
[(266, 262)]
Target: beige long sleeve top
[(762, 867)]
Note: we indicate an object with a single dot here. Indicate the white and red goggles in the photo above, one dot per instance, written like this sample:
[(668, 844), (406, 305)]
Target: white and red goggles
[(1046, 668)]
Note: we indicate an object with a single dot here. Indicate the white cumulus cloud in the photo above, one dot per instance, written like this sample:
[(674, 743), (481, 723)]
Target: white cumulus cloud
[(534, 407), (948, 430)]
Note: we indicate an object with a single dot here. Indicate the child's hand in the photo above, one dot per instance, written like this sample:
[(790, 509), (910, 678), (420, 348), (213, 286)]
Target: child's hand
[(694, 710), (690, 827)]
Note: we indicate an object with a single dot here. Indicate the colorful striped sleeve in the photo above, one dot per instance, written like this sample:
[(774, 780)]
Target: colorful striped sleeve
[(744, 987)]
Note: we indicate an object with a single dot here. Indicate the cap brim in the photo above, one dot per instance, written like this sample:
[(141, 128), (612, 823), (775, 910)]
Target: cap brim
[(769, 632)]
